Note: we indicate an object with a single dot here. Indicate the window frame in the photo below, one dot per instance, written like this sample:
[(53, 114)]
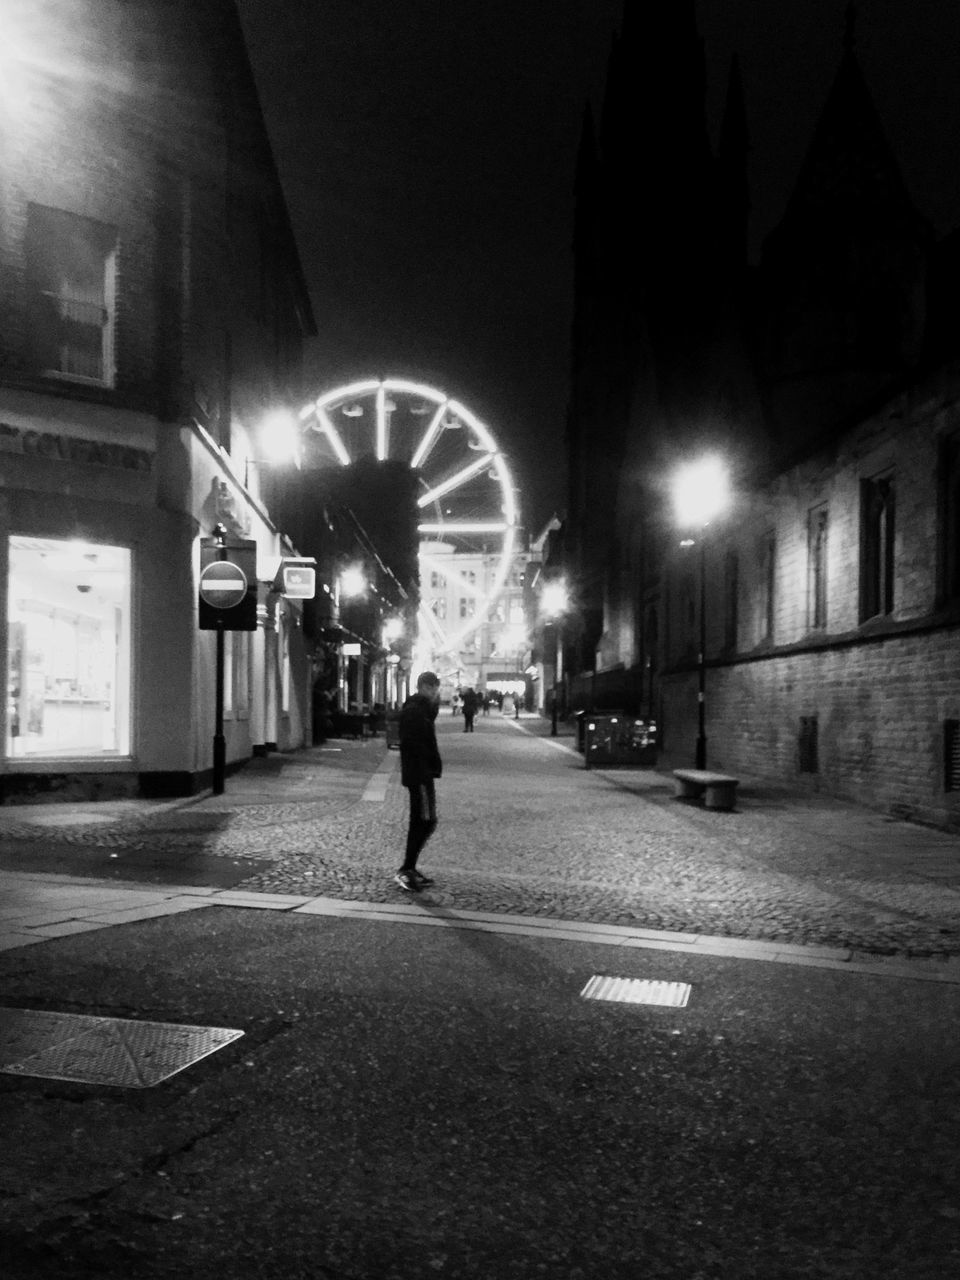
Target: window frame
[(818, 533), (767, 586), (877, 546), (41, 241)]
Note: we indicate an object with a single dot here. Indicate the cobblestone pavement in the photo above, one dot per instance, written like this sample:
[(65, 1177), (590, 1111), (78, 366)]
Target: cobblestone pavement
[(526, 829)]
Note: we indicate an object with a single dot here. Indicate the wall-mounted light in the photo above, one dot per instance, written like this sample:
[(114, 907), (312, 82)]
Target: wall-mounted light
[(352, 582)]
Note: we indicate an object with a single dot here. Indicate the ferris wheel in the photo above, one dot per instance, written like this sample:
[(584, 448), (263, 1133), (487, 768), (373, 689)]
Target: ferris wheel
[(467, 500)]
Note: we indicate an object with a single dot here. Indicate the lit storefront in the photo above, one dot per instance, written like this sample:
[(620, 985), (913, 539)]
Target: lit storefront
[(68, 650)]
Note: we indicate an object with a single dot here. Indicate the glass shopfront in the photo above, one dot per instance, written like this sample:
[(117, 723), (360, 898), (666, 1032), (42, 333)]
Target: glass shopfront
[(68, 649)]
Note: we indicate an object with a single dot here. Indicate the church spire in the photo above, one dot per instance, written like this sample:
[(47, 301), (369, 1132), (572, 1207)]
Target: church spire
[(850, 171), (733, 191), (585, 201), (849, 28)]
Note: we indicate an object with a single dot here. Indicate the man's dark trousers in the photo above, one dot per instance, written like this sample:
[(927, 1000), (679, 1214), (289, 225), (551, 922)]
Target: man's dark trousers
[(423, 821)]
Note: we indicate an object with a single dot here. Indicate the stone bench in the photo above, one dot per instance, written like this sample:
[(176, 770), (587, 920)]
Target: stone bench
[(720, 788)]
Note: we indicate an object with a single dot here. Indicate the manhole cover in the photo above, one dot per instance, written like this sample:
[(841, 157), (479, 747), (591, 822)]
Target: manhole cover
[(637, 991), (107, 1051)]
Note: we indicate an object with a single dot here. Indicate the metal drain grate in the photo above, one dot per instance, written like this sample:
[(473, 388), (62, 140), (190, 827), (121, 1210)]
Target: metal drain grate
[(107, 1051), (637, 991)]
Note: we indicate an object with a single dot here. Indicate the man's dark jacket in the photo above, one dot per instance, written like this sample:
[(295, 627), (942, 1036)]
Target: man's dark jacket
[(419, 753)]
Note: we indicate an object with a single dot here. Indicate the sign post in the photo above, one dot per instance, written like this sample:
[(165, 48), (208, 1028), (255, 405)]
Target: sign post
[(228, 602)]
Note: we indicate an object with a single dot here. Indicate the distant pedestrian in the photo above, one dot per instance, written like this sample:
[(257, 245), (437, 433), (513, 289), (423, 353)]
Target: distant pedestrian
[(485, 704), (469, 709), (420, 766)]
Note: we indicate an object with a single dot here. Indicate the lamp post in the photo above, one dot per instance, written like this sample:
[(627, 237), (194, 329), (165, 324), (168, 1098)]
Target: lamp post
[(554, 605), (351, 584), (700, 493)]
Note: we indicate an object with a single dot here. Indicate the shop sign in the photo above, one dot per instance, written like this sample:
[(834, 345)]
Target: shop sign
[(72, 449), (296, 578)]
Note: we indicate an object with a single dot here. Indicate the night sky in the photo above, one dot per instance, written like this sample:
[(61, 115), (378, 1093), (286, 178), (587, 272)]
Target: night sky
[(427, 151)]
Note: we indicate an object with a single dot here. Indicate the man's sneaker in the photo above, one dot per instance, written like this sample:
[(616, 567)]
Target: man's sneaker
[(408, 881), (422, 880)]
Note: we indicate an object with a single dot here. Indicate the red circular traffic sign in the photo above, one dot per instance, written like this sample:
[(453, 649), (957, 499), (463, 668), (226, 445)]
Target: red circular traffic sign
[(223, 584)]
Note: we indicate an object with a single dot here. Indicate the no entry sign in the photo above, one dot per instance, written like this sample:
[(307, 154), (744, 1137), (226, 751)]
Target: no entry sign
[(228, 585), (223, 584)]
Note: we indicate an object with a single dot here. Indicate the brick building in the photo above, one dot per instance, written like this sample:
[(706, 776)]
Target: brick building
[(152, 314), (826, 376)]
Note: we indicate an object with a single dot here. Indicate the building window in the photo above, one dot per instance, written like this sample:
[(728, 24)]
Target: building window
[(731, 593), (437, 581), (766, 583), (876, 547), (439, 608), (817, 568), (71, 273), (68, 657), (949, 522), (468, 607)]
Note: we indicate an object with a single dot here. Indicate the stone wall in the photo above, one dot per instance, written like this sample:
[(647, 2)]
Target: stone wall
[(879, 709)]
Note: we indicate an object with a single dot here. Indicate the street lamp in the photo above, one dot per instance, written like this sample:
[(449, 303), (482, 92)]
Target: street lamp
[(700, 493), (280, 437), (553, 602)]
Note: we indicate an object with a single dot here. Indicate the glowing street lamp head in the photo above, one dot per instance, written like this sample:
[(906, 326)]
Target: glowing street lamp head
[(700, 492), (554, 599), (280, 436)]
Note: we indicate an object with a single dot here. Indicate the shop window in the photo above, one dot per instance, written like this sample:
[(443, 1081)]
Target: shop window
[(68, 656), (876, 547), (71, 274)]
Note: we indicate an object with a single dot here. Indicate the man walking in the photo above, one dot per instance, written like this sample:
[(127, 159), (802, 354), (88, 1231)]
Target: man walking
[(420, 766)]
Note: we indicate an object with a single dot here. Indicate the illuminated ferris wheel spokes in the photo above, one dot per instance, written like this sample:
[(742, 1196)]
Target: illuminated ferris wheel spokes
[(457, 458)]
